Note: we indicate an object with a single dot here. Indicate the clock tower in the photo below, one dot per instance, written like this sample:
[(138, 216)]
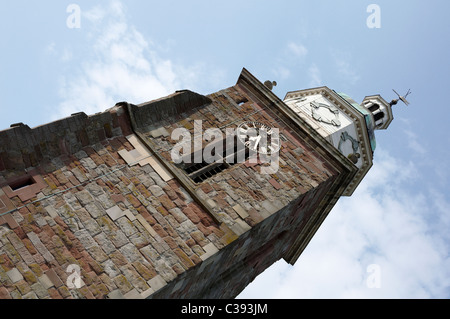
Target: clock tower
[(344, 123), (109, 195)]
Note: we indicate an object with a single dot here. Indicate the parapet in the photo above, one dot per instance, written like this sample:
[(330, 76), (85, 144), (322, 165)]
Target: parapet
[(23, 147), (150, 113)]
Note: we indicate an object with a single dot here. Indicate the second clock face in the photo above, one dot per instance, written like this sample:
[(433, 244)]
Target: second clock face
[(325, 113), (259, 137)]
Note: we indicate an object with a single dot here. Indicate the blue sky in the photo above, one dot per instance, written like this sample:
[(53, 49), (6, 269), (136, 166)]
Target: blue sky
[(399, 217)]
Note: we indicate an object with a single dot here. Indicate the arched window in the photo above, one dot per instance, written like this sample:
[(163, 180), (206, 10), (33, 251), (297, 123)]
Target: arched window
[(379, 116), (374, 107)]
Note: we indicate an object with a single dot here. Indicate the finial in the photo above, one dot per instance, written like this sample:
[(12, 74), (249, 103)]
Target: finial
[(400, 98), (270, 84)]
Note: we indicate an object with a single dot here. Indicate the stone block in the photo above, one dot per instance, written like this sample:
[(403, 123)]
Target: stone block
[(137, 144), (40, 290), (85, 238), (241, 212), (133, 294), (161, 170), (146, 225), (115, 212), (184, 259), (54, 278), (11, 221), (130, 252), (127, 157), (136, 157), (123, 284), (105, 243), (118, 238), (97, 253), (45, 281), (130, 215), (157, 283), (240, 227), (30, 295), (4, 294), (147, 293), (116, 294), (156, 190), (110, 269), (95, 210), (211, 203), (269, 206), (14, 275), (40, 247), (161, 131), (275, 184), (126, 226), (210, 249)]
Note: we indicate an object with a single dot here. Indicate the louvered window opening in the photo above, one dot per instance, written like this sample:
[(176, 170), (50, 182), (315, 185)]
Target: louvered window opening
[(200, 172)]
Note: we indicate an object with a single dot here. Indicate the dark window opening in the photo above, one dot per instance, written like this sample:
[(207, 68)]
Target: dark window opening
[(210, 172), (378, 116), (22, 183), (242, 101), (195, 167), (374, 107)]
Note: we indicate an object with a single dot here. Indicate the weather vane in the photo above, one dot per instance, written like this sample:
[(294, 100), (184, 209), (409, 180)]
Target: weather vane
[(400, 98)]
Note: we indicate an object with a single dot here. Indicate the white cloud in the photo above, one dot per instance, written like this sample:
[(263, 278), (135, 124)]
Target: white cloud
[(315, 76), (121, 65), (345, 67), (96, 14), (52, 52), (282, 73), (290, 56), (384, 224), (298, 50), (413, 142), (50, 48), (66, 55)]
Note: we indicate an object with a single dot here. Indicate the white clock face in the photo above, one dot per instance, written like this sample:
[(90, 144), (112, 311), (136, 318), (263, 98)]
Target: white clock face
[(259, 137)]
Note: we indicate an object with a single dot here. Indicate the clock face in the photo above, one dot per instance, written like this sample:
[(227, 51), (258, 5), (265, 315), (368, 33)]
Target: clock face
[(259, 137), (325, 113)]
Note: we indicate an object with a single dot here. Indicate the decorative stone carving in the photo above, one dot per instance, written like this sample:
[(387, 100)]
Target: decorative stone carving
[(319, 116)]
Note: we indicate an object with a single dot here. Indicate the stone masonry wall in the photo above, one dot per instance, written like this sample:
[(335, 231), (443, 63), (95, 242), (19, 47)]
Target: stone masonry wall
[(99, 198), (125, 227), (265, 211), (228, 272), (22, 147)]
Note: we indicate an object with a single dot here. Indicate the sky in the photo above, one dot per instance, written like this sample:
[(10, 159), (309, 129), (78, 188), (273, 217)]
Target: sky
[(390, 239)]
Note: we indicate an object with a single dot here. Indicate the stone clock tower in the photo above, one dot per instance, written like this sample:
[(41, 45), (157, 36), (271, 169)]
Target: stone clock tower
[(186, 196)]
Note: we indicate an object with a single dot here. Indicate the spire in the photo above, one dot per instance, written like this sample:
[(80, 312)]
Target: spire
[(381, 110)]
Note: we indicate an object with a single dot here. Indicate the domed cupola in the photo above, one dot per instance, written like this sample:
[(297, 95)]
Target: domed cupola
[(380, 110)]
